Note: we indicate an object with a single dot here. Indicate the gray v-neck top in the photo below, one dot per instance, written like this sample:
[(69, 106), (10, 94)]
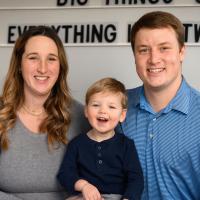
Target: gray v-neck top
[(28, 170)]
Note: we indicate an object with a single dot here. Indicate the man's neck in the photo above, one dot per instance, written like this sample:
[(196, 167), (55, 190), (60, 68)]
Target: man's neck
[(159, 99)]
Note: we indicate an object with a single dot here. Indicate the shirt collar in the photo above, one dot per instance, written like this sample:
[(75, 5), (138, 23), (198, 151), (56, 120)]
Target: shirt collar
[(180, 102)]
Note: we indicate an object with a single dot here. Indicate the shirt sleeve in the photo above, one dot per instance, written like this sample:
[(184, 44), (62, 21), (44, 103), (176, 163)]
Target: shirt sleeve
[(68, 172), (133, 170)]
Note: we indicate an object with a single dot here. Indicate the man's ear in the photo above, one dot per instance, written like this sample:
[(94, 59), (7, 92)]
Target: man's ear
[(123, 115), (182, 53)]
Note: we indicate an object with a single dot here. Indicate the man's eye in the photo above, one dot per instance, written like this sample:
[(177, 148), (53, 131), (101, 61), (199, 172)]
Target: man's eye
[(143, 50), (164, 48)]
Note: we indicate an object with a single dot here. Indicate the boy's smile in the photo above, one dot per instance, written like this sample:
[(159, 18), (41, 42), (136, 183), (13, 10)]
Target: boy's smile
[(104, 111)]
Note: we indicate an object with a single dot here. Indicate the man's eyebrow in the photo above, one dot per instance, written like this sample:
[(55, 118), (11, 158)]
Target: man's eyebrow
[(164, 43)]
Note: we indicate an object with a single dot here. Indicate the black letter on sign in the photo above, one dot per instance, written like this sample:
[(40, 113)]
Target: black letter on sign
[(196, 32), (82, 3), (66, 28), (129, 32), (112, 34), (153, 1), (10, 34), (61, 2), (107, 2), (186, 31), (168, 1)]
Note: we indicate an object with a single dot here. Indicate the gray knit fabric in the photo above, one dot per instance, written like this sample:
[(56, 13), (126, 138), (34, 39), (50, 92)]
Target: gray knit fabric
[(28, 170), (104, 196)]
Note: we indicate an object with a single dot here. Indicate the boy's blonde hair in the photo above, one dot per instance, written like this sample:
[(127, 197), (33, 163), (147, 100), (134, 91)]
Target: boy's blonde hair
[(108, 85)]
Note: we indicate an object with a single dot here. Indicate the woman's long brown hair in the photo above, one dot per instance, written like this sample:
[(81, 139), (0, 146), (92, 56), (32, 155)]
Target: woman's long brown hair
[(57, 105)]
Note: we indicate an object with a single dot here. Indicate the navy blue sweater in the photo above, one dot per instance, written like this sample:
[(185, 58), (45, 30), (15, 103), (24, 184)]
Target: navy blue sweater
[(111, 165)]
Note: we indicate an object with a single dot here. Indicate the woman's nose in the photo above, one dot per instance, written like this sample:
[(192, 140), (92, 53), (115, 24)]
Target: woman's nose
[(42, 68)]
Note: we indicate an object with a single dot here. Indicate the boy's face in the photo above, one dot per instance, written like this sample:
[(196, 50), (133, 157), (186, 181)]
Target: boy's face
[(104, 111)]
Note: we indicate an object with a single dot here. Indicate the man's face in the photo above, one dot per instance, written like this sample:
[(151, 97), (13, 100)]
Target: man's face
[(158, 58)]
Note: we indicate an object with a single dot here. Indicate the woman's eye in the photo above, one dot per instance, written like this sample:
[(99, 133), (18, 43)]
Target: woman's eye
[(33, 58), (52, 59)]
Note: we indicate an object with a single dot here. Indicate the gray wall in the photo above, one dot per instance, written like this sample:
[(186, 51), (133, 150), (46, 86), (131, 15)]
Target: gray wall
[(91, 61)]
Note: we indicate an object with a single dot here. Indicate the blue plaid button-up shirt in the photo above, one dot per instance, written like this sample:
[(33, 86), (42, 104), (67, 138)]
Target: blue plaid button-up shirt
[(168, 143)]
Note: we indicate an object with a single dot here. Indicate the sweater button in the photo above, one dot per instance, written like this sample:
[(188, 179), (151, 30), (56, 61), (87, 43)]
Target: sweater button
[(100, 162), (99, 147)]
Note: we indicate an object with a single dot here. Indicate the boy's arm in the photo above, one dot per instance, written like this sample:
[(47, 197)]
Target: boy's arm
[(68, 172), (135, 182)]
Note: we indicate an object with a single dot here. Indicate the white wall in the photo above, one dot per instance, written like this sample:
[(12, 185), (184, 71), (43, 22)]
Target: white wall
[(89, 62)]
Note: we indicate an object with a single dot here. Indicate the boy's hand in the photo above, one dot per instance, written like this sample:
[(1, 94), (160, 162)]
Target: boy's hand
[(90, 192)]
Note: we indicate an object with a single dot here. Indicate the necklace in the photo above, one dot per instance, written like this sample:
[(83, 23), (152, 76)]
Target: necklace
[(32, 112)]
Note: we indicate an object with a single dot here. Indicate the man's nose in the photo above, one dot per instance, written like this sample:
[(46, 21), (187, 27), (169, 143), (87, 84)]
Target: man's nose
[(154, 57)]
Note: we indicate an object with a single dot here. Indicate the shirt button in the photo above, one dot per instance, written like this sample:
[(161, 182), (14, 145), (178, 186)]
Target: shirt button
[(99, 147), (151, 135), (100, 162)]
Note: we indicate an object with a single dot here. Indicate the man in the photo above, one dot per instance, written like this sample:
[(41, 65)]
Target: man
[(164, 114)]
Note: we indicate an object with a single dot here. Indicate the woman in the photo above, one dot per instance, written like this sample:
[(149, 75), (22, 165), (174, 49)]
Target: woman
[(37, 117)]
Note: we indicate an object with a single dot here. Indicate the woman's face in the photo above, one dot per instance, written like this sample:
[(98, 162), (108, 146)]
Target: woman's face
[(40, 66)]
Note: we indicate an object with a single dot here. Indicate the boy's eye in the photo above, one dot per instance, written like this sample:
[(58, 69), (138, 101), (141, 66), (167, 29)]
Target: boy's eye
[(112, 107), (95, 105)]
